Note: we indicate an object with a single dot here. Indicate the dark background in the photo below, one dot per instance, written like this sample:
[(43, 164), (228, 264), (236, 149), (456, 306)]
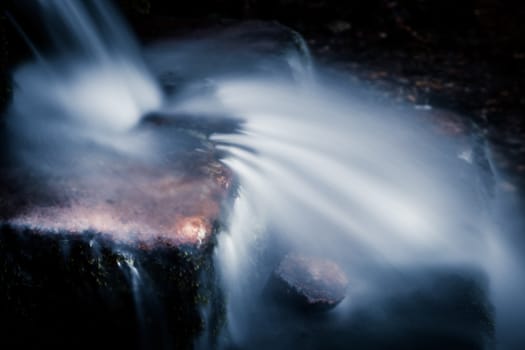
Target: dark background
[(466, 56)]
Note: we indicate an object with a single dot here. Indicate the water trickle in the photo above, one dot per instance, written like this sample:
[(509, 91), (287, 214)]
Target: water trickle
[(300, 60), (127, 264), (143, 300)]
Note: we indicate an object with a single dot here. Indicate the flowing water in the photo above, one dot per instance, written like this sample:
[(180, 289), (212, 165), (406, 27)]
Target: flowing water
[(322, 171)]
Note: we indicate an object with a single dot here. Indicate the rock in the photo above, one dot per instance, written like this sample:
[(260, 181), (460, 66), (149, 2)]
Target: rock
[(103, 250), (248, 48), (339, 26), (309, 282), (176, 201), (415, 308), (204, 126)]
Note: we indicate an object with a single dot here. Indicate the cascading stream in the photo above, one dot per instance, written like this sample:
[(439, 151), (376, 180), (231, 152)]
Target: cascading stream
[(331, 179), (320, 172)]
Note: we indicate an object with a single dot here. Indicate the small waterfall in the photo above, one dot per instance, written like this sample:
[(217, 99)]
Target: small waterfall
[(93, 74), (92, 30), (301, 60), (319, 171), (127, 265), (343, 184), (135, 283), (148, 311)]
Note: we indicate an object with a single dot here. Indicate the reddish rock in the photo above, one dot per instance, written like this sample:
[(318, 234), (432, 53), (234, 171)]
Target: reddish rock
[(97, 242), (310, 282), (132, 201)]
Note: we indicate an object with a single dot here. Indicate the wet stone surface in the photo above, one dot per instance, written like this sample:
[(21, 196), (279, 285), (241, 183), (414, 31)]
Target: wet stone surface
[(175, 202), (309, 282), (107, 250)]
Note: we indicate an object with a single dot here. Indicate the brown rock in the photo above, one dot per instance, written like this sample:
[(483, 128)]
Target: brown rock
[(309, 282), (131, 200), (97, 242)]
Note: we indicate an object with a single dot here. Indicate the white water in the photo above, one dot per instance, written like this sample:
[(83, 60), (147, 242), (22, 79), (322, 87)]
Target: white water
[(94, 74), (333, 178), (320, 171), (377, 190)]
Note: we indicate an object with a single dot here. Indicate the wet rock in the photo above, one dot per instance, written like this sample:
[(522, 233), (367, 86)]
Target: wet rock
[(205, 126), (105, 249), (175, 202), (428, 308), (308, 282), (248, 48)]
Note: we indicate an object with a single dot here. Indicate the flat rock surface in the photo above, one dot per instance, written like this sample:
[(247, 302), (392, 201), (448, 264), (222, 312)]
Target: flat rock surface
[(175, 201)]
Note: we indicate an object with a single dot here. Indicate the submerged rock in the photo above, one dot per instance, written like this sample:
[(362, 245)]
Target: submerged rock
[(309, 282)]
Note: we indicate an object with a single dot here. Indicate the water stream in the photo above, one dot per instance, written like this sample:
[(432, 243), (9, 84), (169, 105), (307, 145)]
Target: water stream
[(321, 171)]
